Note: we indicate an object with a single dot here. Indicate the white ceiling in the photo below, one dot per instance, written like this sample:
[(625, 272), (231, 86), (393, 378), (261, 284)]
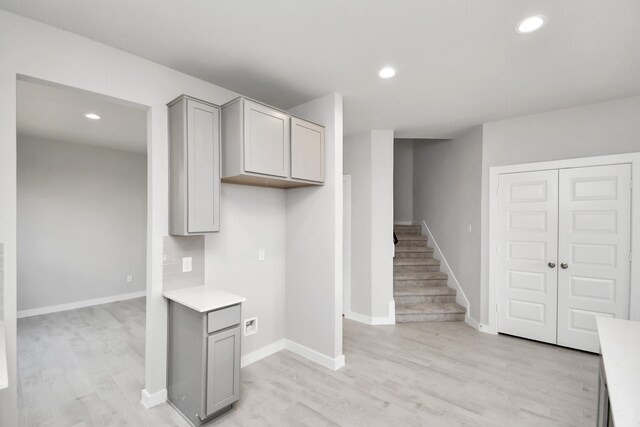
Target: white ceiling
[(57, 113), (459, 62)]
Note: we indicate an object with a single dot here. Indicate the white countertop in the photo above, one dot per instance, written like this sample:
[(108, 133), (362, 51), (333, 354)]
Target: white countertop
[(4, 378), (203, 299), (620, 349)]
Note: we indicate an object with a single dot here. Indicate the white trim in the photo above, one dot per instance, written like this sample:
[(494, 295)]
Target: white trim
[(494, 172), (4, 373), (149, 400), (346, 254), (472, 322), (263, 352), (461, 297), (390, 319), (79, 304), (314, 356)]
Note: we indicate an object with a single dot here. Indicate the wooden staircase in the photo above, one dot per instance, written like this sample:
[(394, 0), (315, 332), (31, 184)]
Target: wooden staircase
[(419, 288)]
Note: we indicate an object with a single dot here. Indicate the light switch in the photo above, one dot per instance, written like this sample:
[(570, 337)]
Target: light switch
[(469, 228), (187, 264), (129, 278), (261, 254)]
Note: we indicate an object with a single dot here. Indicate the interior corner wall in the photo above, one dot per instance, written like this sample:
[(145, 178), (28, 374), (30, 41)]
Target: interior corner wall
[(382, 245), (314, 243), (403, 181), (368, 159), (446, 180), (357, 163), (82, 222), (589, 130)]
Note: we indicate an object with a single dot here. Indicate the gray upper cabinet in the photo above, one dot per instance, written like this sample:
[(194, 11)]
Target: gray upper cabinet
[(194, 167), (307, 150), (266, 140), (264, 146)]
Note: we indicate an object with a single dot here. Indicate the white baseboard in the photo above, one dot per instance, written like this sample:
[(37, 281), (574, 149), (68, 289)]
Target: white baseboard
[(471, 322), (149, 400), (314, 356), (79, 304), (461, 298), (263, 352), (375, 320)]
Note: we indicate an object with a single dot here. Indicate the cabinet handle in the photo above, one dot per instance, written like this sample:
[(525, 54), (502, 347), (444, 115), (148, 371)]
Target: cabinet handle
[(564, 265), (551, 264)]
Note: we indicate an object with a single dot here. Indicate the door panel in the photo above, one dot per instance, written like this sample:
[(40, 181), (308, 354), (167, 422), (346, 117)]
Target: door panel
[(307, 150), (594, 242), (203, 157), (527, 289), (267, 140), (223, 369)]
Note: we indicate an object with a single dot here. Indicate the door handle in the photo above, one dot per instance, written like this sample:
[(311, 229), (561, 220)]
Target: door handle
[(551, 264), (564, 265)]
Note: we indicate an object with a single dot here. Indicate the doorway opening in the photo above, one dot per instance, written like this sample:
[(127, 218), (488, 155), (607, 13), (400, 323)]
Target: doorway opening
[(82, 253)]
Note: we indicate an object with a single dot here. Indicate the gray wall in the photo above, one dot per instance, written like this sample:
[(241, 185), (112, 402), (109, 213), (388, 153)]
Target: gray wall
[(81, 222), (357, 163), (1, 281), (368, 158), (314, 242), (403, 181), (446, 186), (251, 218), (589, 130)]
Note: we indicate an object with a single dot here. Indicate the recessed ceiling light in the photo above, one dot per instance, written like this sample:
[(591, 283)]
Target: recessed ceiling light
[(387, 72), (92, 116), (531, 24)]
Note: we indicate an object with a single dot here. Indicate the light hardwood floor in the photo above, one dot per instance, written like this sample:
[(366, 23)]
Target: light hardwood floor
[(433, 374)]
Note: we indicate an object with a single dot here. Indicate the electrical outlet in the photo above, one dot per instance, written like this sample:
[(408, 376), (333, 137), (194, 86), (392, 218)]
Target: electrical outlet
[(261, 254), (129, 278), (469, 228), (250, 326), (187, 264)]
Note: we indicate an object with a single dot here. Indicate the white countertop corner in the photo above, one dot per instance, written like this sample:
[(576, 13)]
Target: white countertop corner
[(203, 299), (4, 377), (620, 350)]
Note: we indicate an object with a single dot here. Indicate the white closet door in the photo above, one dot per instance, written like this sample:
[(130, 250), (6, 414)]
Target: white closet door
[(594, 251), (527, 288)]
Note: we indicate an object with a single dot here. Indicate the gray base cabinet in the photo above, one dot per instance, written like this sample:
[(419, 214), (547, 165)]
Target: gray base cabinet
[(203, 378)]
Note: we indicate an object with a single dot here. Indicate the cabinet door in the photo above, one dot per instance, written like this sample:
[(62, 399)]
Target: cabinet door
[(223, 369), (266, 140), (307, 150), (594, 251), (527, 287), (203, 164)]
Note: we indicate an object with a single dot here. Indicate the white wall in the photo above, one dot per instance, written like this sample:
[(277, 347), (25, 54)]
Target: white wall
[(314, 245), (369, 160), (403, 181), (82, 215), (40, 51), (447, 198), (251, 218), (589, 130)]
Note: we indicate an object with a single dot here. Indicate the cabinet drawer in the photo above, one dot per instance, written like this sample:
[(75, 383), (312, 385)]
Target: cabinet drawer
[(223, 318)]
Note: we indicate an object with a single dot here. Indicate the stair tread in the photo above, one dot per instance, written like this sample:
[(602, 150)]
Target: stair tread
[(429, 308), (407, 236), (416, 261), (420, 275), (413, 249), (411, 290)]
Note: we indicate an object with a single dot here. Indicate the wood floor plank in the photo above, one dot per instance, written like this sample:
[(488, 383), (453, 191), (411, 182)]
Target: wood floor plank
[(90, 362)]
